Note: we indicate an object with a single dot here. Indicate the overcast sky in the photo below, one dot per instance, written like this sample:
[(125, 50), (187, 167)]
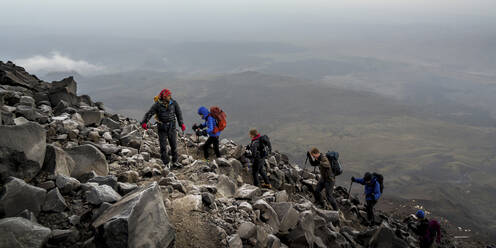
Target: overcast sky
[(236, 19)]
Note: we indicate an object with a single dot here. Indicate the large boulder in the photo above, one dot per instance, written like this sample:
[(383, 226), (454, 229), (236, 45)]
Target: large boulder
[(88, 158), (24, 150), (91, 117), (20, 232), (303, 235), (247, 192), (57, 161), (385, 237), (288, 216), (137, 220), (111, 123), (268, 214), (17, 196)]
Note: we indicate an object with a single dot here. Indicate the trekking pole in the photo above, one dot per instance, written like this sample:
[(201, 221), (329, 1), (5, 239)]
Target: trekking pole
[(349, 191)]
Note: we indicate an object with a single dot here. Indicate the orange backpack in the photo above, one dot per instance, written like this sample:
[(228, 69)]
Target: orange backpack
[(220, 117)]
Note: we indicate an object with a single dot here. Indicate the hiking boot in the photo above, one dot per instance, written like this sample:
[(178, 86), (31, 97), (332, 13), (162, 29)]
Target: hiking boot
[(177, 165), (266, 185)]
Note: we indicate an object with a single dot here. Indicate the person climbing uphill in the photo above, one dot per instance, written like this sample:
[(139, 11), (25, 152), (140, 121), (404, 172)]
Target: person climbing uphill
[(259, 148), (372, 191), (327, 177), (427, 231), (212, 130), (166, 110)]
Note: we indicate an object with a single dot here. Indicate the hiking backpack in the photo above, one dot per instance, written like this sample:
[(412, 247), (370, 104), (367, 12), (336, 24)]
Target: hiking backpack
[(333, 158), (379, 178), (220, 118), (265, 146)]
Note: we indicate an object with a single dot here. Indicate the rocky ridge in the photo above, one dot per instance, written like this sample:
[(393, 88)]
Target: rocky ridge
[(74, 175)]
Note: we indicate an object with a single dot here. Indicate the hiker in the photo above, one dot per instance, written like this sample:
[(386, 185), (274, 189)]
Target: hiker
[(327, 177), (212, 131), (259, 149), (428, 231), (372, 193), (166, 111)]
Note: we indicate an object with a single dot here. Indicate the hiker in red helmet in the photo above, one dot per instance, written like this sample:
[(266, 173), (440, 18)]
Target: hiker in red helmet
[(166, 110)]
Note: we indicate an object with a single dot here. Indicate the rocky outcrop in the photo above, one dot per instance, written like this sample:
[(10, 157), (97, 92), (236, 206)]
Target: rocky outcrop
[(22, 150), (137, 220), (20, 232)]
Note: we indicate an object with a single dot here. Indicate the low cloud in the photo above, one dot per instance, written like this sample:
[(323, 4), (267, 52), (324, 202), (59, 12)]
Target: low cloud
[(58, 63)]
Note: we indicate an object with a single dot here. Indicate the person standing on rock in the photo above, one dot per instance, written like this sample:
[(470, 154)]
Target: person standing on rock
[(259, 148), (327, 177), (372, 193), (211, 130), (428, 231), (167, 110)]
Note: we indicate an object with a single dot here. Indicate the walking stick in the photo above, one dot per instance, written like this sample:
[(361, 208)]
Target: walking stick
[(349, 191)]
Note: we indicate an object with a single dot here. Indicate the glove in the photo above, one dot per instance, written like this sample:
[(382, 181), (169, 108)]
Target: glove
[(195, 126), (352, 179), (183, 127), (204, 133), (144, 126)]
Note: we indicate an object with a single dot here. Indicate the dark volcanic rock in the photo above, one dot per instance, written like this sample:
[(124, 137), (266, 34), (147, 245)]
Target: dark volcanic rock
[(134, 221), (20, 232), (17, 196)]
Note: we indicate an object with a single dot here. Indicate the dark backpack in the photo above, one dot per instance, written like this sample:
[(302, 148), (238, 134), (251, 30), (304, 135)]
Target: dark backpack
[(333, 158), (265, 146), (379, 178)]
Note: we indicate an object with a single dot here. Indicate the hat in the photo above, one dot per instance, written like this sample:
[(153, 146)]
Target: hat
[(420, 214)]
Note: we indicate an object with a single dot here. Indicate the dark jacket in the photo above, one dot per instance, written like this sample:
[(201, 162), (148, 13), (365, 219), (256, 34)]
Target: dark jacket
[(256, 147), (324, 167), (372, 190), (166, 112), (428, 231), (210, 122)]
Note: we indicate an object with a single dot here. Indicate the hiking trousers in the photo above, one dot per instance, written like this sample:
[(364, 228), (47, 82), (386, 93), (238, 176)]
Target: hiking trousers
[(167, 133), (211, 141), (258, 168), (328, 185), (369, 207)]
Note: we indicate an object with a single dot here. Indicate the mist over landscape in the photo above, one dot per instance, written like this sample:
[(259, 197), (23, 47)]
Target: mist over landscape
[(405, 88)]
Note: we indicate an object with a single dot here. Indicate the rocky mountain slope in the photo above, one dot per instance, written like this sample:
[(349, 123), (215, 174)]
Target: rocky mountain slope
[(73, 175)]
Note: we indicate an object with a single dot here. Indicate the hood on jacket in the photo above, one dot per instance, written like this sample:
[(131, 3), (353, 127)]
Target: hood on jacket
[(203, 111)]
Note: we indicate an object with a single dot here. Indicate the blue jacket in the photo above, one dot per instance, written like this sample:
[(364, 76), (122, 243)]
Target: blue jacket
[(372, 190), (210, 122)]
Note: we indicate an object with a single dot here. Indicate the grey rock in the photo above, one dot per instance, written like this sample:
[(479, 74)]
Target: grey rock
[(188, 203), (385, 237), (101, 193), (57, 161), (288, 216), (273, 241), (113, 125), (110, 180), (208, 199), (88, 158), (282, 196), (246, 230), (91, 117), (135, 221), (27, 101), (269, 215), (48, 185), (54, 202), (29, 215), (23, 150), (235, 241), (247, 192), (225, 186), (124, 188), (20, 120), (17, 195), (64, 90), (10, 74), (20, 232), (67, 184)]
